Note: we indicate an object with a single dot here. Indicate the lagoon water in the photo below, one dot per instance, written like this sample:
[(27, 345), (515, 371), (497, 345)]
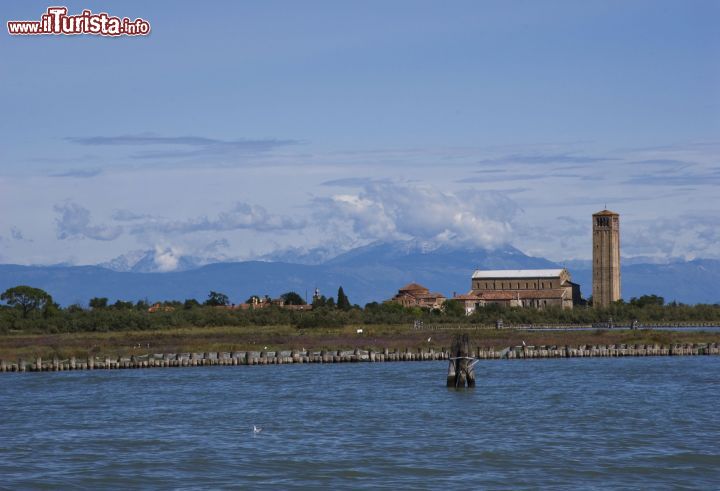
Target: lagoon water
[(644, 423)]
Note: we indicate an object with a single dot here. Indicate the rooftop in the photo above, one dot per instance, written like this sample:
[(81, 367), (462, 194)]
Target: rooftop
[(557, 293), (411, 287), (517, 273)]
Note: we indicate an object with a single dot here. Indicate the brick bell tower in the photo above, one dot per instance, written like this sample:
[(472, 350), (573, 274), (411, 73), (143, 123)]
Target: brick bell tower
[(606, 258)]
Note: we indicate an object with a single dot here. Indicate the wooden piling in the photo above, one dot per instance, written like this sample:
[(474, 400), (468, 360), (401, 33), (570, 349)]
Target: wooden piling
[(460, 370), (451, 375)]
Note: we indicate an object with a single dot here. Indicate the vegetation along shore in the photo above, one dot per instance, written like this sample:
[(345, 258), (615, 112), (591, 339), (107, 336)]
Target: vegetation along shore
[(32, 325)]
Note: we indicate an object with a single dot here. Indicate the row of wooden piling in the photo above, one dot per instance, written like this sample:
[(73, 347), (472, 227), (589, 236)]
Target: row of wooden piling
[(357, 355), (222, 359), (612, 350)]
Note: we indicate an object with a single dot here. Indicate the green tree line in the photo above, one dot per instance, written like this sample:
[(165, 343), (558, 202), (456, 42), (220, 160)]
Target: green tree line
[(32, 309)]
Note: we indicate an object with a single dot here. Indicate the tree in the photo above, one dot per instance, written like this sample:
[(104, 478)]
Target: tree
[(453, 308), (253, 299), (216, 299), (26, 298), (98, 303), (75, 308), (292, 298), (190, 303), (120, 305), (142, 305), (647, 300), (343, 302)]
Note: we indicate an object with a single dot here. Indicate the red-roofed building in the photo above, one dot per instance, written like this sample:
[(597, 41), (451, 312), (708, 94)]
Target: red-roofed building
[(536, 288), (415, 295)]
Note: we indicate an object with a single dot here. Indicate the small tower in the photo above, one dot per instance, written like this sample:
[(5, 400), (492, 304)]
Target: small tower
[(606, 258)]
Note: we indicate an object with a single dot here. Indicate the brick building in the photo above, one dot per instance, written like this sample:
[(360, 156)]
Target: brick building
[(536, 288), (414, 295)]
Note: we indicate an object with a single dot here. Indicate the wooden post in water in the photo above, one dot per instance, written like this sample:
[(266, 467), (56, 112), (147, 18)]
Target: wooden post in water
[(460, 368)]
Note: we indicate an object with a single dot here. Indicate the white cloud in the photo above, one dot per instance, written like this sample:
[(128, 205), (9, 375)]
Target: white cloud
[(167, 258), (689, 237), (74, 222), (240, 216), (388, 211)]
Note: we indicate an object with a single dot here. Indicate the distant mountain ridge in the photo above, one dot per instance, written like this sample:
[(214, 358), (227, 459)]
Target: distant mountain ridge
[(369, 273), (150, 262)]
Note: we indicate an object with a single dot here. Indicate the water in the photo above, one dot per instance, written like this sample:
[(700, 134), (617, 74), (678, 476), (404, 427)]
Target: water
[(644, 423)]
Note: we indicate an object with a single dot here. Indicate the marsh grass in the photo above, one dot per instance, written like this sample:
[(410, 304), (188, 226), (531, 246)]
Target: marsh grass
[(256, 338)]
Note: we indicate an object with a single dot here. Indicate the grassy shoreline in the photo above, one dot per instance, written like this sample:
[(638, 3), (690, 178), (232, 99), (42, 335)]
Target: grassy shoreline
[(233, 338)]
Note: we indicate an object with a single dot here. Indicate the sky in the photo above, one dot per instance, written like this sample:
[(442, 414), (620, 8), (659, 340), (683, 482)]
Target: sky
[(241, 130)]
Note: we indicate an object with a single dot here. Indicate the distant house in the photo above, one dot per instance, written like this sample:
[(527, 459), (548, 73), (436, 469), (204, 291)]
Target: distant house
[(536, 288), (266, 301), (158, 307), (415, 295)]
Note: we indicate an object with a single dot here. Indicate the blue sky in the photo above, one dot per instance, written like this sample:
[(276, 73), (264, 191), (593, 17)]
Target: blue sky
[(237, 129)]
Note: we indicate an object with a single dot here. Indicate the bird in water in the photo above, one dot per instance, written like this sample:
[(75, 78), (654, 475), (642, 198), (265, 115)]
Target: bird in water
[(257, 429)]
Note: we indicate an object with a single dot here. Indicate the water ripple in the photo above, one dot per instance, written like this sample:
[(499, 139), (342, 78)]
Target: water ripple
[(633, 423)]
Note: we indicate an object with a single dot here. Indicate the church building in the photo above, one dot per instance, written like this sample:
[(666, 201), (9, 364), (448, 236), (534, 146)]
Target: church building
[(414, 295), (537, 288)]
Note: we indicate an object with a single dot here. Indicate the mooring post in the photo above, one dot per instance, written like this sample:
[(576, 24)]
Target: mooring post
[(451, 374), (461, 370)]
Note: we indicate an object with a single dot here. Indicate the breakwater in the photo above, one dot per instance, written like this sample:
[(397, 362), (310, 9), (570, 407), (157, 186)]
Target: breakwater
[(237, 358)]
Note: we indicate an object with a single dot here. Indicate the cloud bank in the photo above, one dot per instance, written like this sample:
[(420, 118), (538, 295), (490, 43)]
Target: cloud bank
[(387, 211), (184, 146), (242, 216), (74, 223)]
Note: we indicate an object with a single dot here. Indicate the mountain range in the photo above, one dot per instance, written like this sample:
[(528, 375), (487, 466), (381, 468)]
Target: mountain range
[(369, 273)]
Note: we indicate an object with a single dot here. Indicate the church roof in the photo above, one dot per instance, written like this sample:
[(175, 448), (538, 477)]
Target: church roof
[(430, 295), (517, 273), (555, 293), (413, 287), (606, 212), (466, 296)]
